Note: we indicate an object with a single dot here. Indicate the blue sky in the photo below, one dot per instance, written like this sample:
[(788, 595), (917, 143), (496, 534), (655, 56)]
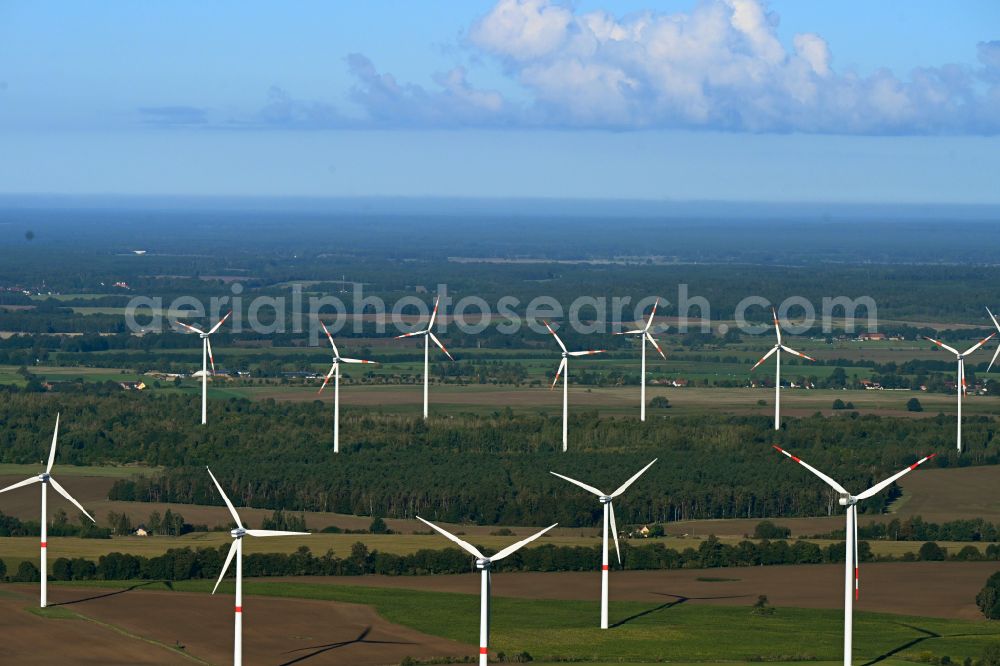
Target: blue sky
[(718, 99)]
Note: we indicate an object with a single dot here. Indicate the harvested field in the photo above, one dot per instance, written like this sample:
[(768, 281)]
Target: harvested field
[(946, 589), (276, 631)]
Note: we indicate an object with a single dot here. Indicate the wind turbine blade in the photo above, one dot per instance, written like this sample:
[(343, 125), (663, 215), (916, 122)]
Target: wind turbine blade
[(944, 346), (438, 343), (651, 316), (523, 542), (978, 344), (329, 337), (62, 491), (467, 547), (777, 328), (589, 352), (358, 360), (635, 476), (614, 531), (221, 322), (272, 533), (410, 334), (211, 357), (797, 353), (52, 451), (635, 331), (879, 487), (225, 567), (764, 358), (329, 376), (229, 504), (656, 345), (995, 354), (995, 322), (191, 328), (558, 339), (830, 482), (21, 484), (434, 313), (562, 364), (589, 489)]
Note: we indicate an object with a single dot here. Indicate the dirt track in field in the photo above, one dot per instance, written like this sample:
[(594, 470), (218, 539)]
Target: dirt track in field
[(932, 589), (276, 631)]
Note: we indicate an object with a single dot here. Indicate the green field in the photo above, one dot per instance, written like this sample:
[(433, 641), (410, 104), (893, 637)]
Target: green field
[(647, 633)]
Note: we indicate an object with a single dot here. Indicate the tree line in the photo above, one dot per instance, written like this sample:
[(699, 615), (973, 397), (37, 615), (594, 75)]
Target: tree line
[(205, 563)]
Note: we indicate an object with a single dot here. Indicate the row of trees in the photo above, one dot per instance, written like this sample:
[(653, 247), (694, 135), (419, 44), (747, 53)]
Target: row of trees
[(60, 526), (185, 563), (916, 529)]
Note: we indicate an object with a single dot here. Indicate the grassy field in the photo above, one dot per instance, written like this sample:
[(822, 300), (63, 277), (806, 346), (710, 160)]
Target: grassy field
[(646, 632)]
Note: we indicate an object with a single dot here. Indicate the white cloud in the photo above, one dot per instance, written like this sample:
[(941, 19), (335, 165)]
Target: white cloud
[(719, 66)]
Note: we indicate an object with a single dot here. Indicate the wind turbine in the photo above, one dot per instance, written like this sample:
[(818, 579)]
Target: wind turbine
[(777, 349), (428, 334), (645, 335), (335, 373), (236, 550), (851, 578), (960, 386), (484, 564), (609, 514), (45, 478), (564, 371), (206, 356)]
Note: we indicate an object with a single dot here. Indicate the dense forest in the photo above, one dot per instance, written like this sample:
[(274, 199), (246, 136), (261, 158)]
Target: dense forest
[(489, 470)]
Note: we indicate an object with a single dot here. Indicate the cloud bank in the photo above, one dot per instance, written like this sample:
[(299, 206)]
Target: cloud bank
[(720, 66)]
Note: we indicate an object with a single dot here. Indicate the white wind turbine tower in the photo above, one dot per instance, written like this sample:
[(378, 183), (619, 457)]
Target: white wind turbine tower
[(609, 516), (428, 334), (777, 349), (564, 371), (645, 336), (206, 356), (960, 386), (851, 578), (484, 564), (236, 550), (45, 478), (335, 374)]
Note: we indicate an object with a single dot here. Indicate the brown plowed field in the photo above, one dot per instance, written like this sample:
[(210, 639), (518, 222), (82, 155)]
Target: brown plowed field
[(932, 589), (275, 631)]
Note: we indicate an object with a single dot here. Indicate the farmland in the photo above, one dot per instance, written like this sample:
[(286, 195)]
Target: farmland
[(673, 626)]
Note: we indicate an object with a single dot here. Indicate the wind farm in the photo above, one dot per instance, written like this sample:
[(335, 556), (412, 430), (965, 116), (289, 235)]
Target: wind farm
[(400, 227)]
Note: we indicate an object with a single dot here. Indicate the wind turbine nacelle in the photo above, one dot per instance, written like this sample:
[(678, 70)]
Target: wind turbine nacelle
[(44, 476), (845, 500), (238, 533), (482, 564), (604, 499)]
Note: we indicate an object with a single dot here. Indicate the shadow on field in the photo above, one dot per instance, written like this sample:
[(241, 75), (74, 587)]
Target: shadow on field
[(678, 600), (320, 649), (905, 646), (167, 583)]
